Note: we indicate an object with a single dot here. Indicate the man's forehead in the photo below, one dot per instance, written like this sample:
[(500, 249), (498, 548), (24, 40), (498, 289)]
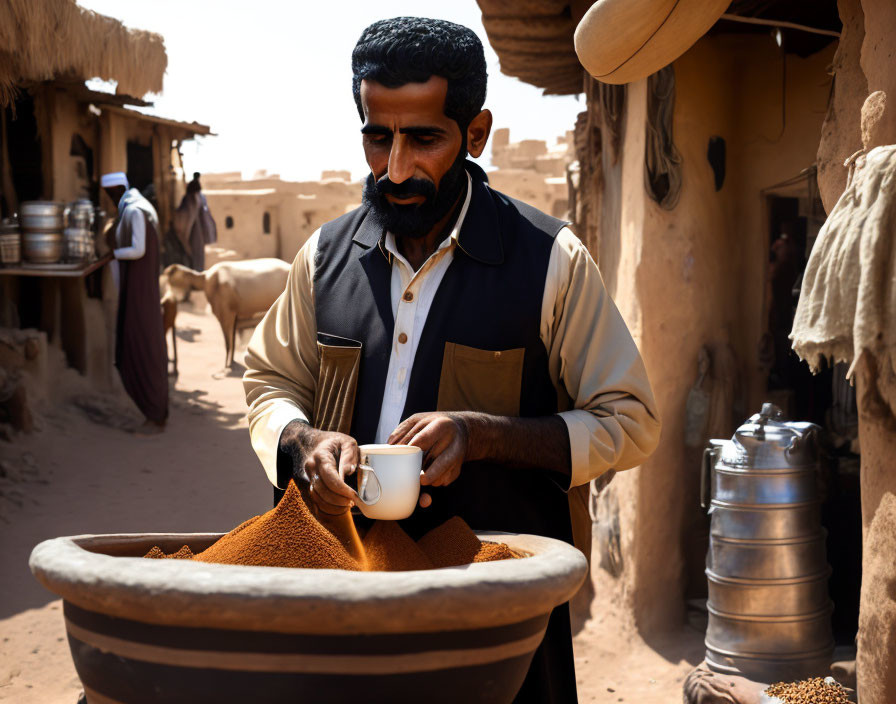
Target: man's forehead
[(405, 104)]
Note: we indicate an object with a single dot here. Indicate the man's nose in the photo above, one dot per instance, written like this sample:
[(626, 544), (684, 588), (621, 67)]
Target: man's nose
[(401, 161)]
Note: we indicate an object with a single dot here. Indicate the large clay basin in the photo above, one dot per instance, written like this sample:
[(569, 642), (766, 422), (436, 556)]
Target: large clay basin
[(178, 631)]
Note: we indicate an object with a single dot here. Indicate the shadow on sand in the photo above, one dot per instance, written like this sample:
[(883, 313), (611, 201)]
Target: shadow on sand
[(198, 403), (236, 371)]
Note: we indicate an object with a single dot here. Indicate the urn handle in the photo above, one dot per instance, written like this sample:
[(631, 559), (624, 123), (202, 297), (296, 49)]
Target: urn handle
[(710, 457)]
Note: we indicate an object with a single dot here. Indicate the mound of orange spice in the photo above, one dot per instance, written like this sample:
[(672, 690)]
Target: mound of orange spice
[(289, 535)]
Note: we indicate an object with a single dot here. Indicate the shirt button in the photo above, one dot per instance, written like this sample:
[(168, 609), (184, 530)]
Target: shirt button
[(402, 338), (408, 296)]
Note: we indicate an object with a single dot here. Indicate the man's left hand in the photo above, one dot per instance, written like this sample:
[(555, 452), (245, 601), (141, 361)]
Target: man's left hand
[(445, 441)]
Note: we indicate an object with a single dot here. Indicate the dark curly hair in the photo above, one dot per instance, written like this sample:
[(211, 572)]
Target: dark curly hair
[(413, 49)]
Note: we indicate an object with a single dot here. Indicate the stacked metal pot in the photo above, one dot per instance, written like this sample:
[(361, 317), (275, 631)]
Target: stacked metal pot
[(52, 231), (42, 223), (769, 611)]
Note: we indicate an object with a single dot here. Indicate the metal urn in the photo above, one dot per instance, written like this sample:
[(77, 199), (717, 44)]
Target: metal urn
[(78, 234), (767, 571)]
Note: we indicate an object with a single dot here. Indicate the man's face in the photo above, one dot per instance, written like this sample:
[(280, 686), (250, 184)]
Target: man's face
[(415, 153), (115, 193)]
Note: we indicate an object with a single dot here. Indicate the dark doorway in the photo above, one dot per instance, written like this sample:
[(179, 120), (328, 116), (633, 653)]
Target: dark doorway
[(140, 173), (826, 398), (24, 149), (787, 261)]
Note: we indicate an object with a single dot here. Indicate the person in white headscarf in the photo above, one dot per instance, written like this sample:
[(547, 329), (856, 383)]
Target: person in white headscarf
[(140, 352)]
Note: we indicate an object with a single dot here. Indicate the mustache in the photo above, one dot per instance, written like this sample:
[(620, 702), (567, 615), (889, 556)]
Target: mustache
[(406, 189)]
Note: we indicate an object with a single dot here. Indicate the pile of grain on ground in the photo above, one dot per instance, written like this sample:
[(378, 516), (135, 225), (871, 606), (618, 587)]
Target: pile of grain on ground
[(289, 535), (817, 690)]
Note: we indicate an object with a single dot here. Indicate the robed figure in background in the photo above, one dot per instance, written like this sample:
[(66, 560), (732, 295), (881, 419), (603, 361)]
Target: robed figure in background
[(140, 352), (203, 230), (192, 227)]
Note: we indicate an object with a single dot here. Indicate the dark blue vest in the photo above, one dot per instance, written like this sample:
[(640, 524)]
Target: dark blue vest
[(490, 299)]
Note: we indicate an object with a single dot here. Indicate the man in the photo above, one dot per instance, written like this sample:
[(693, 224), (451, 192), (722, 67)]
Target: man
[(140, 352), (203, 230), (446, 315)]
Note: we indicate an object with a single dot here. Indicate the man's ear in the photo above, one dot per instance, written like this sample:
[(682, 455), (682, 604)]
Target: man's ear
[(477, 133)]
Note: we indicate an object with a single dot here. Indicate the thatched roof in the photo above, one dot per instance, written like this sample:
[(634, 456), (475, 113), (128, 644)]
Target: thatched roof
[(534, 38), (42, 40), (181, 130), (534, 41)]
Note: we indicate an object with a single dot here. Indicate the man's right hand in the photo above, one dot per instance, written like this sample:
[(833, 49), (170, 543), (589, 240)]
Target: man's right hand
[(321, 461)]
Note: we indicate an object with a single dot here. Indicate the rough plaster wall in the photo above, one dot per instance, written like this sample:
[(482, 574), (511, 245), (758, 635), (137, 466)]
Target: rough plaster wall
[(841, 134), (586, 176), (876, 640), (617, 262), (68, 118), (303, 215), (64, 123), (113, 146), (297, 210), (863, 64), (876, 659), (609, 208), (877, 425), (681, 255), (878, 57), (688, 289), (245, 238), (695, 275), (621, 251), (112, 153)]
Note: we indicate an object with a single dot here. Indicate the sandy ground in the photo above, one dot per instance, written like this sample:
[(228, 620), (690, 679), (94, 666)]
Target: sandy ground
[(77, 476)]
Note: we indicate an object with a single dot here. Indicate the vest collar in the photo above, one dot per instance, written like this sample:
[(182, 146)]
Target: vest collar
[(369, 233), (480, 233)]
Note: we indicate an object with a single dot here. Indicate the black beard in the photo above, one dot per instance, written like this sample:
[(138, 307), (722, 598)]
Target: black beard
[(415, 221)]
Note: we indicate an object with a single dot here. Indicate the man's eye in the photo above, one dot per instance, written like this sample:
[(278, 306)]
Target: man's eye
[(378, 138), (424, 139)]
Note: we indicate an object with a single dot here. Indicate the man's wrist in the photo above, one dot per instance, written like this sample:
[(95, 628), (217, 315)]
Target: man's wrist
[(523, 442), (296, 437), (478, 428)]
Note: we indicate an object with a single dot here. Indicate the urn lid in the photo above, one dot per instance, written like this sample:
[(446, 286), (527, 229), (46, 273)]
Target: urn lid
[(767, 441)]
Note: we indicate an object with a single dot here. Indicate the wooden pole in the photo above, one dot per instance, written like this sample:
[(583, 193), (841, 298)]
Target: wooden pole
[(9, 191)]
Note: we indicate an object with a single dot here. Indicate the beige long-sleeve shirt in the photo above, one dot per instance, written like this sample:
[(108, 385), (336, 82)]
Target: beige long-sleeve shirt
[(613, 422)]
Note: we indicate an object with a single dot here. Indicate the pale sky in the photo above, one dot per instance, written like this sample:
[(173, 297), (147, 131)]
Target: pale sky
[(273, 79)]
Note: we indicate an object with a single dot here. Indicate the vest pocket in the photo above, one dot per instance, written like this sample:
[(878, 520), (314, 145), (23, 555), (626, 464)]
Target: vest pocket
[(488, 381), (337, 383)]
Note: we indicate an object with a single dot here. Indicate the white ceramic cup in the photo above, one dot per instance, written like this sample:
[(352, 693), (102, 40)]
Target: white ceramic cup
[(389, 481)]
